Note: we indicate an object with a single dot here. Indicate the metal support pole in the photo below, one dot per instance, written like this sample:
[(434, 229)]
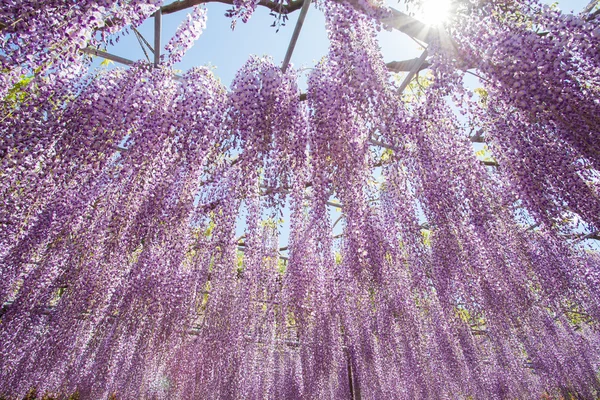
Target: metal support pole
[(157, 30), (290, 50), (411, 74)]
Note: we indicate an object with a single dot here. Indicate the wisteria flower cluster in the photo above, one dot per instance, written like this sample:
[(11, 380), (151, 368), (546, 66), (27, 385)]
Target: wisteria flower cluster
[(43, 36), (123, 192), (540, 71), (187, 33)]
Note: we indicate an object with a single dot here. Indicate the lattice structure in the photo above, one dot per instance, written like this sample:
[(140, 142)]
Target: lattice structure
[(453, 276)]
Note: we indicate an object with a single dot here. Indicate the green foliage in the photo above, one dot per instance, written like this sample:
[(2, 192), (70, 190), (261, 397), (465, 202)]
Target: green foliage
[(484, 154), (417, 86), (135, 254), (106, 63), (483, 96), (426, 234), (281, 266), (475, 320), (210, 227), (338, 257), (18, 93), (272, 223), (57, 296), (240, 264), (386, 155), (576, 315)]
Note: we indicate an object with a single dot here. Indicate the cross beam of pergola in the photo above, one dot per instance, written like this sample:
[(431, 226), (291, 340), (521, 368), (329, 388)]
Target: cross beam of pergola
[(397, 20)]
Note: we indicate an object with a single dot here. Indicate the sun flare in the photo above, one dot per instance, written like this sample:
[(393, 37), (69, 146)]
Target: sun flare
[(434, 12)]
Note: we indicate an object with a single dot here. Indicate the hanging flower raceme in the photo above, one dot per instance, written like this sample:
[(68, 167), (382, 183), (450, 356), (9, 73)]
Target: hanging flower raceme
[(138, 204), (268, 124), (186, 35), (124, 271), (540, 107), (50, 159), (548, 174), (49, 36), (244, 309), (351, 101), (472, 228)]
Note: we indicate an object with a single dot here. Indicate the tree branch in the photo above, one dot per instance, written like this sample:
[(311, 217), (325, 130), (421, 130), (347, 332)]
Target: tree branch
[(273, 6), (397, 20)]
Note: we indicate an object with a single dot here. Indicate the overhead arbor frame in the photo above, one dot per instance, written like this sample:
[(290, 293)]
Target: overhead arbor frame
[(122, 271)]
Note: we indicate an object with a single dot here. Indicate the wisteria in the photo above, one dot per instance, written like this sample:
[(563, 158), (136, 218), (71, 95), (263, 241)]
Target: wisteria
[(539, 69), (241, 9), (41, 36), (189, 31), (141, 216)]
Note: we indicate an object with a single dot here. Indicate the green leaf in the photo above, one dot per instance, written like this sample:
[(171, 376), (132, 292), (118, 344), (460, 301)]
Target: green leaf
[(106, 62)]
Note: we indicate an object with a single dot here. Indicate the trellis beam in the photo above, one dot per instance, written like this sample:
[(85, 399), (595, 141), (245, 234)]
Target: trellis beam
[(393, 66), (120, 60), (143, 39), (407, 65), (477, 137), (108, 56), (378, 143), (411, 26), (416, 67), (273, 6)]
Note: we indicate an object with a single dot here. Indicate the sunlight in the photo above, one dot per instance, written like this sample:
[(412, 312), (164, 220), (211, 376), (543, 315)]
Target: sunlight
[(434, 12)]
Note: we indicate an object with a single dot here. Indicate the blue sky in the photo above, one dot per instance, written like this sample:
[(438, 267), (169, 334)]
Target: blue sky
[(228, 50)]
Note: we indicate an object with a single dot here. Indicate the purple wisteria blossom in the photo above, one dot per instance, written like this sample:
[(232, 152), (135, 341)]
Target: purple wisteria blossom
[(122, 192)]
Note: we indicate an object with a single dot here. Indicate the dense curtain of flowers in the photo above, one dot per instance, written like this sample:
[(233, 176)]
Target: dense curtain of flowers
[(540, 110), (44, 36), (124, 273)]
